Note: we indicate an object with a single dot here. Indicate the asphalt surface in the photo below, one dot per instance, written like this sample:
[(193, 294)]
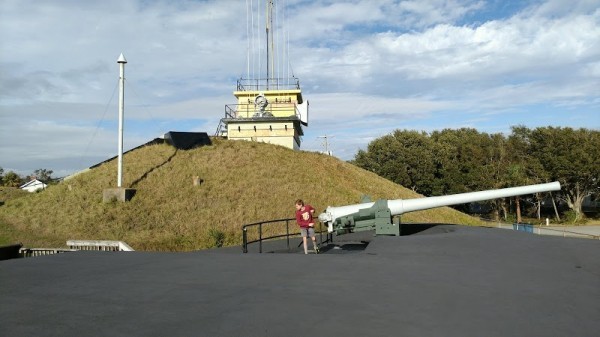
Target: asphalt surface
[(440, 281)]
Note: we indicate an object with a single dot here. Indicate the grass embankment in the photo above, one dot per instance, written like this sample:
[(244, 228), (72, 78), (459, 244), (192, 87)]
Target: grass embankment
[(242, 182)]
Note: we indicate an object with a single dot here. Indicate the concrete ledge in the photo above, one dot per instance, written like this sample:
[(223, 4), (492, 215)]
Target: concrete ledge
[(118, 194), (104, 245)]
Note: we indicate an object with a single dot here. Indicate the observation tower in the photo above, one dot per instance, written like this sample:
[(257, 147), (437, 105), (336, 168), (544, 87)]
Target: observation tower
[(269, 108)]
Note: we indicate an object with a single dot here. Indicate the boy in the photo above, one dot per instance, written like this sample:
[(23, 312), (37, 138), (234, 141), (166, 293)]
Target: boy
[(304, 218)]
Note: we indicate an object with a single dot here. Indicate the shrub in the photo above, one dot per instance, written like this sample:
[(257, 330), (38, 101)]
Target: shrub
[(216, 238), (570, 217)]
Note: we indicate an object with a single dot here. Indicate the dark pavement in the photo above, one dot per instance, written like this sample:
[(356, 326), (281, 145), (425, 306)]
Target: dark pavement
[(441, 281)]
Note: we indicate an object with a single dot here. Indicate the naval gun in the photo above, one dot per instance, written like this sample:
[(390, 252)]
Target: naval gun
[(379, 215)]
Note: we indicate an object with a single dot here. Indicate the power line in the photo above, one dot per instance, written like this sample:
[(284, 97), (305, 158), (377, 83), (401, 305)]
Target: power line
[(326, 144)]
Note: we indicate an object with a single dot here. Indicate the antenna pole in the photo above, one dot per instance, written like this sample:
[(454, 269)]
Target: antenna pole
[(121, 61), (269, 32), (326, 143)]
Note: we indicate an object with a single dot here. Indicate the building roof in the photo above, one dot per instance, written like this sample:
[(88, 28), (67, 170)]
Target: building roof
[(33, 182)]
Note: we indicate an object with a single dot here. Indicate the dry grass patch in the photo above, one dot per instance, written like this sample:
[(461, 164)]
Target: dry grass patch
[(241, 182)]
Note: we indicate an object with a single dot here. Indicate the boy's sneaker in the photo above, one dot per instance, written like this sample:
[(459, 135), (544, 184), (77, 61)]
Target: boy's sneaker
[(317, 251)]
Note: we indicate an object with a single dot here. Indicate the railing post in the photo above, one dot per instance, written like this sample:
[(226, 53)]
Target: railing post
[(260, 238), (287, 233), (320, 233), (244, 239)]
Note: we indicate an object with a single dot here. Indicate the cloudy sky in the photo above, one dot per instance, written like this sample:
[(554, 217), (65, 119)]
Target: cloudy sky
[(367, 67)]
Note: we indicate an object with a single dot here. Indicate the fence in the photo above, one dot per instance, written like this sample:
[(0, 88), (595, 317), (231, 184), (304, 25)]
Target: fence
[(268, 84), (33, 252), (101, 245), (76, 245), (274, 224)]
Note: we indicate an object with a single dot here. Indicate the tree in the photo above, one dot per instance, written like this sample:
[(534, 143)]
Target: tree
[(464, 160), (524, 168), (1, 176), (43, 174), (467, 159), (571, 157), (404, 157), (12, 179), (498, 158)]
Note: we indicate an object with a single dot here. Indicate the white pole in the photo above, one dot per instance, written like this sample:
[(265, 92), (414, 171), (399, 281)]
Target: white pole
[(121, 61)]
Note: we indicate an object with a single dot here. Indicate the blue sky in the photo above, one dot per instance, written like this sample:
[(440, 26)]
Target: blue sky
[(366, 67)]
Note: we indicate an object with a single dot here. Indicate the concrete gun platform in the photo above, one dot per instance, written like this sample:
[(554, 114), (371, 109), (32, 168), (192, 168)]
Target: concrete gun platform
[(443, 280)]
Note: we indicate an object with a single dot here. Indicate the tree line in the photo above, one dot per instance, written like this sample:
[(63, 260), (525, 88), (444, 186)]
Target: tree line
[(466, 160), (13, 179)]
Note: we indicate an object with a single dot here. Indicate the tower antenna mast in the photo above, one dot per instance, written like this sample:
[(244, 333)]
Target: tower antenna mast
[(269, 31)]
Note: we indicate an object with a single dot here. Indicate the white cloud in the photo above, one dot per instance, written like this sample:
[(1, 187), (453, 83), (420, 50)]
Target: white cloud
[(497, 47), (345, 106), (367, 67), (433, 12)]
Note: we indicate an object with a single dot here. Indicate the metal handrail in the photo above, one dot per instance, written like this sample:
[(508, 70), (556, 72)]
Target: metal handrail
[(287, 235), (34, 252), (102, 245), (229, 113), (267, 84), (248, 110)]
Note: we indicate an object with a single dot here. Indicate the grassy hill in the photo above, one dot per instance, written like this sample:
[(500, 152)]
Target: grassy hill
[(242, 182)]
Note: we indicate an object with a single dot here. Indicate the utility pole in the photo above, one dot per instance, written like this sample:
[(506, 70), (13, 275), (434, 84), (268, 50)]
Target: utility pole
[(326, 143)]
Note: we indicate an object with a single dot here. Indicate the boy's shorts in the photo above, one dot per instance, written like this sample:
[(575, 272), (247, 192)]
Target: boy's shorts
[(310, 231)]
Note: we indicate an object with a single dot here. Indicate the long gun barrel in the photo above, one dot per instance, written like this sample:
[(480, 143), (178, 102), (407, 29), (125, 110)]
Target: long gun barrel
[(345, 216)]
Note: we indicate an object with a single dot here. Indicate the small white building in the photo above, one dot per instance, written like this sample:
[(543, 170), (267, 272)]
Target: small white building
[(33, 185)]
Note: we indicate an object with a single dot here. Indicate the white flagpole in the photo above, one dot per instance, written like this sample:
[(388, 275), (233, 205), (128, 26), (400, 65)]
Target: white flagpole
[(121, 61)]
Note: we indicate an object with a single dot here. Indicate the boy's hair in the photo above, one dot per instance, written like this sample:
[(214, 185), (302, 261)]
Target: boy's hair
[(300, 202)]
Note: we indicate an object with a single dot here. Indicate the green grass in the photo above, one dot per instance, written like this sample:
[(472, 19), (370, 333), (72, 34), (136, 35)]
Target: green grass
[(8, 193), (242, 182)]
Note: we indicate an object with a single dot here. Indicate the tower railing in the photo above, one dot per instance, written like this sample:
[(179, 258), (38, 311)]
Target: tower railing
[(229, 113), (264, 84), (275, 109)]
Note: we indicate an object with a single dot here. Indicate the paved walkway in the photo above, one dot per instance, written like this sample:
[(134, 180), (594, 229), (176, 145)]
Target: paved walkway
[(586, 232), (442, 280)]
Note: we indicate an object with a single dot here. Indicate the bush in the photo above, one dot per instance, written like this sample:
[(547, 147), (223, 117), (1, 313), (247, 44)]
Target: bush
[(216, 238), (570, 217)]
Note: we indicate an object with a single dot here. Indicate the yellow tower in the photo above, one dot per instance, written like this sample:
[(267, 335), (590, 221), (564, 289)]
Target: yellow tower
[(271, 109), (266, 111)]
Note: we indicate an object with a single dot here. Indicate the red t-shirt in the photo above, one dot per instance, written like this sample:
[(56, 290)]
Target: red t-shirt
[(304, 216)]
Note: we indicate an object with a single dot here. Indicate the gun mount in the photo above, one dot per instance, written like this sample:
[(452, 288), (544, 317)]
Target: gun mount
[(378, 215)]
